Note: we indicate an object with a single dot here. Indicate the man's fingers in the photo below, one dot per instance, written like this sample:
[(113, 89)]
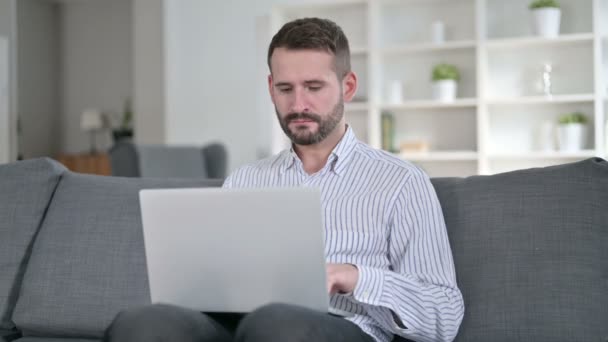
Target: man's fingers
[(331, 285)]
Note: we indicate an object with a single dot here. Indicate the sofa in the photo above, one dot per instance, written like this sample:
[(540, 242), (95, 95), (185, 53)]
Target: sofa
[(530, 248), (128, 159)]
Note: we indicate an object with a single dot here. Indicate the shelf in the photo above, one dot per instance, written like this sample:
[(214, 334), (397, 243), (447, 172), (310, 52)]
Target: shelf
[(356, 106), (544, 155), (538, 41), (440, 156), (432, 104), (573, 98), (428, 47)]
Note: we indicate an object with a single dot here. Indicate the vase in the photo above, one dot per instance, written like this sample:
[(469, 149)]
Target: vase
[(438, 32), (606, 138), (546, 136), (121, 134), (395, 92)]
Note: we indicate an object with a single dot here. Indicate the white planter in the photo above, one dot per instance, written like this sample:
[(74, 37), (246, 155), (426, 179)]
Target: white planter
[(546, 21), (444, 90), (572, 137)]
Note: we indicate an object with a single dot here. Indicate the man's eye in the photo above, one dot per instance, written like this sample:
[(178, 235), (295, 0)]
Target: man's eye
[(315, 88), (284, 90)]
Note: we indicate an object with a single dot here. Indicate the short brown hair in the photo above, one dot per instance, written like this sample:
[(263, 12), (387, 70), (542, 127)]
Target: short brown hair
[(314, 34)]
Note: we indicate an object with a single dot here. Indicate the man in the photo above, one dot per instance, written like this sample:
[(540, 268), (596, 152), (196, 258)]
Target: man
[(389, 259)]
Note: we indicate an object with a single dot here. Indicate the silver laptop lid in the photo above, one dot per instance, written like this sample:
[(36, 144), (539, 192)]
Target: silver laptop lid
[(233, 250)]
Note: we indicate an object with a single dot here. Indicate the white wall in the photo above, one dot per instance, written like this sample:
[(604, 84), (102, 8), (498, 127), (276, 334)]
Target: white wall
[(6, 17), (148, 71), (4, 104), (7, 30), (96, 66), (213, 82), (38, 77)]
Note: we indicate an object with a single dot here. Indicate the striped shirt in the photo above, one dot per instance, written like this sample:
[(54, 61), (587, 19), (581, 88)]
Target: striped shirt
[(382, 215)]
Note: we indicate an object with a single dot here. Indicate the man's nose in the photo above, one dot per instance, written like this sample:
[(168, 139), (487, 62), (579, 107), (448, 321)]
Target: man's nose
[(300, 103)]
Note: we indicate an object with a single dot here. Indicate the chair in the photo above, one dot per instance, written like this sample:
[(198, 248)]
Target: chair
[(136, 160)]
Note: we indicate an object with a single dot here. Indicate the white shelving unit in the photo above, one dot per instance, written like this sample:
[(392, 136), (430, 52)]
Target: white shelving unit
[(493, 125)]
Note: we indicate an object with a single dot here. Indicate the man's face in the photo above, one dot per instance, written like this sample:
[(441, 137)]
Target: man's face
[(307, 95)]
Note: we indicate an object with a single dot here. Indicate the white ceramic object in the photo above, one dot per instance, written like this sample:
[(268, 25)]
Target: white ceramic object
[(438, 32), (606, 138), (546, 136), (547, 21), (444, 90), (572, 137), (395, 92)]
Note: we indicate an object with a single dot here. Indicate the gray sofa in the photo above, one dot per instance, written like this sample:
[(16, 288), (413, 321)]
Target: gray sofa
[(128, 159), (530, 247)]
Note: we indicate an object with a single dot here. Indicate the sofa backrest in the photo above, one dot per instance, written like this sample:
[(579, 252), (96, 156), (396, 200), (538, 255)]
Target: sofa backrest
[(136, 160), (531, 252), (88, 263), (26, 189)]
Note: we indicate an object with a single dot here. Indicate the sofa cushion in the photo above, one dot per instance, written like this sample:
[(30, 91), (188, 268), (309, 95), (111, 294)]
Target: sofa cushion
[(531, 252), (43, 339), (171, 161), (9, 335), (26, 188), (88, 261)]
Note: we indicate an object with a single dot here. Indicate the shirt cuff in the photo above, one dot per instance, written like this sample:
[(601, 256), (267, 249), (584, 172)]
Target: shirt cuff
[(370, 285)]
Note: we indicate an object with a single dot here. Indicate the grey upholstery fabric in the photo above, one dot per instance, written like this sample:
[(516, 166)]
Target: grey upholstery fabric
[(88, 260), (531, 252), (26, 188), (9, 335), (163, 161), (42, 339), (216, 160), (131, 160), (124, 159)]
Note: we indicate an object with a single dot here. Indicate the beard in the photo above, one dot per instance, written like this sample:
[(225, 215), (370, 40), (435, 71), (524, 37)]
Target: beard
[(303, 135)]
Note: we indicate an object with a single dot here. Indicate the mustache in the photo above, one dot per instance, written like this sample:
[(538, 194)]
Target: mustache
[(302, 116)]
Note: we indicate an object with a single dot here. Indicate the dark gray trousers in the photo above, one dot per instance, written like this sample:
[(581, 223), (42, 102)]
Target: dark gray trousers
[(274, 322)]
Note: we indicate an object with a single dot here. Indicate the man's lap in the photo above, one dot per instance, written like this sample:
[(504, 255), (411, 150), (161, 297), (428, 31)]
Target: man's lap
[(278, 322)]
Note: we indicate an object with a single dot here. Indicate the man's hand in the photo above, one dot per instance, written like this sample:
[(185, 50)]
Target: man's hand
[(341, 278)]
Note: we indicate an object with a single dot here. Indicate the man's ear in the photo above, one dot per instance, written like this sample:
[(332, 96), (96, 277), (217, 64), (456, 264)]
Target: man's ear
[(271, 87), (349, 86)]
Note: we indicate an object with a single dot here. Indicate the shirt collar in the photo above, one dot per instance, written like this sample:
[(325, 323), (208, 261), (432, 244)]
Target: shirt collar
[(338, 157)]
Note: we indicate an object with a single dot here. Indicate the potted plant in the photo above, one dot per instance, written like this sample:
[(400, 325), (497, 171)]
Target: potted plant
[(572, 132), (125, 128), (444, 78), (547, 16)]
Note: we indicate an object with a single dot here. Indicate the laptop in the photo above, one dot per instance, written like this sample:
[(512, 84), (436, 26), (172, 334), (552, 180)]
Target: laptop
[(234, 250)]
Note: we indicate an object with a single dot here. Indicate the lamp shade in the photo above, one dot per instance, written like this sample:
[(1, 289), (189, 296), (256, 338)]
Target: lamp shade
[(91, 120)]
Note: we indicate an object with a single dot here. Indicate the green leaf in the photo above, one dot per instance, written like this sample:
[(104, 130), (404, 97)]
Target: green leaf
[(544, 4), (445, 72), (573, 118)]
